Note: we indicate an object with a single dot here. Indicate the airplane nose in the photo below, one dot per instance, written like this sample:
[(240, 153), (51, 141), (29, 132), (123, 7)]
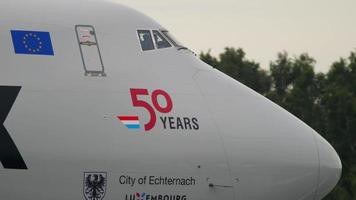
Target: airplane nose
[(329, 167)]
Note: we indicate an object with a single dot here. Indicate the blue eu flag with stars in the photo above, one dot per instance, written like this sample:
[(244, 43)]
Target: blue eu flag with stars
[(32, 42)]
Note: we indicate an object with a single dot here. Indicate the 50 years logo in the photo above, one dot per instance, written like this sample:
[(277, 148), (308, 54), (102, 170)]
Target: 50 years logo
[(153, 108)]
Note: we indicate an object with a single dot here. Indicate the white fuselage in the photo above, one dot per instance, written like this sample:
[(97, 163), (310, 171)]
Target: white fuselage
[(219, 140)]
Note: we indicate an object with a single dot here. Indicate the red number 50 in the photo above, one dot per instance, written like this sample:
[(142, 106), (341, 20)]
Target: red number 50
[(154, 97)]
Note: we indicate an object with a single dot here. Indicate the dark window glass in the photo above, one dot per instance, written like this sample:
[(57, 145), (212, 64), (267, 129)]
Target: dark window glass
[(145, 39), (161, 42)]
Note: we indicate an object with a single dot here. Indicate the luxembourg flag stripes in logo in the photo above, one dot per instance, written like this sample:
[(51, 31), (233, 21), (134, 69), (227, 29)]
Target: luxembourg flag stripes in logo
[(131, 122)]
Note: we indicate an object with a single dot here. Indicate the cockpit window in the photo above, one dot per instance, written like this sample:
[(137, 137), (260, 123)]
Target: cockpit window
[(145, 40), (171, 38), (161, 42)]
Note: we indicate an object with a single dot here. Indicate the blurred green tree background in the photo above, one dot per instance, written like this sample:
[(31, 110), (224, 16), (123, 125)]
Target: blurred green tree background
[(325, 101)]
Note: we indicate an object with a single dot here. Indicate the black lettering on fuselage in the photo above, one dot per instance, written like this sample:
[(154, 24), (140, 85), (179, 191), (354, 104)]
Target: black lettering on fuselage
[(10, 156), (164, 120), (171, 123), (187, 123), (180, 123), (195, 123)]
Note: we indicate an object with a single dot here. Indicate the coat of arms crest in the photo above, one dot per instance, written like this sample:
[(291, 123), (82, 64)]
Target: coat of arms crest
[(94, 185)]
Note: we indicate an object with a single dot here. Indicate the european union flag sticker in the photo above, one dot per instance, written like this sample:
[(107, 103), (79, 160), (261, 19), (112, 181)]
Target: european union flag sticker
[(32, 42)]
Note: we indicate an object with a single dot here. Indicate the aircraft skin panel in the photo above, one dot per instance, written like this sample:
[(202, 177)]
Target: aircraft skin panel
[(149, 125), (273, 172), (54, 159)]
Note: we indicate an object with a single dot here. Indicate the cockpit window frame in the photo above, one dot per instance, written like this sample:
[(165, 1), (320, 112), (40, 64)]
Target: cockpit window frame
[(170, 38), (138, 31), (160, 34)]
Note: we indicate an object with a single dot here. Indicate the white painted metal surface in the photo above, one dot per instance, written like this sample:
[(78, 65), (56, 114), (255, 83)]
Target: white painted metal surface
[(64, 122)]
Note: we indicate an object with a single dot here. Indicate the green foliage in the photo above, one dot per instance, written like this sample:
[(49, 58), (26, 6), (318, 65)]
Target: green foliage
[(209, 59), (234, 63), (326, 102)]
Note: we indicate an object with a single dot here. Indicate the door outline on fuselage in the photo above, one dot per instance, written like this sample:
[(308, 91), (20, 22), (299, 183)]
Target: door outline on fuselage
[(101, 70)]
